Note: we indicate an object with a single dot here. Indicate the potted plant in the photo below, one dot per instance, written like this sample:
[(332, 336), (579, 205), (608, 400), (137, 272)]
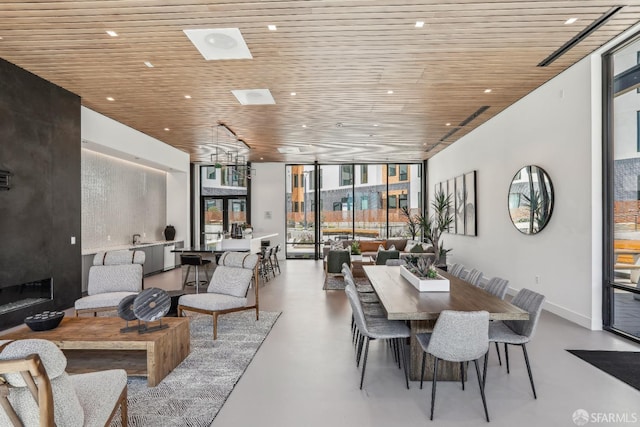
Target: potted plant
[(355, 250), (422, 274), (435, 224), (413, 222)]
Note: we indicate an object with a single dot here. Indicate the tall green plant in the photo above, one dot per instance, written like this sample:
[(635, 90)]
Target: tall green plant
[(437, 222), (413, 222)]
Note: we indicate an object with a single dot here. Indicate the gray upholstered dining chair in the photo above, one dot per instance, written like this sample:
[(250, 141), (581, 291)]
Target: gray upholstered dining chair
[(227, 291), (458, 336), (113, 276), (379, 329), (518, 332), (474, 277), (38, 392), (365, 291), (497, 287), (456, 269), (395, 262)]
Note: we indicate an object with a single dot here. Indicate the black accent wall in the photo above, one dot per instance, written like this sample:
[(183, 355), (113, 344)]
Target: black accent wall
[(40, 145)]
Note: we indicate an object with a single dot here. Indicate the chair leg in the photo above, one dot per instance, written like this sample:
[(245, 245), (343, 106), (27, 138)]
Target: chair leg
[(403, 352), (484, 400), (215, 326), (424, 359), (484, 370), (360, 345), (526, 359), (257, 313), (123, 408), (364, 362), (498, 351), (506, 356), (433, 385), (186, 277), (462, 374)]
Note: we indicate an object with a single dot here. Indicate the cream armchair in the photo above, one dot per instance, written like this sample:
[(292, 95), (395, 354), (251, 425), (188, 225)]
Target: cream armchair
[(227, 291), (37, 391), (113, 276)]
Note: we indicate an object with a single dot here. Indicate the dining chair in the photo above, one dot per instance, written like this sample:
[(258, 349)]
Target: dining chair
[(395, 262), (518, 332), (380, 329), (361, 287), (474, 277), (456, 269), (497, 286), (458, 336)]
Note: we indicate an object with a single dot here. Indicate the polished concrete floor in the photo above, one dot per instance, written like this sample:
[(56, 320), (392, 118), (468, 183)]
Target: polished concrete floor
[(305, 374)]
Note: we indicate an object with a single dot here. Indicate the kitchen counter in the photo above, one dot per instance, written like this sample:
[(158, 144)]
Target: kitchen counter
[(92, 251)]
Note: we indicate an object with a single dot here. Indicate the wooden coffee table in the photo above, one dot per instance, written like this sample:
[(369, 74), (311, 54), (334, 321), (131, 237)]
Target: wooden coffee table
[(96, 343)]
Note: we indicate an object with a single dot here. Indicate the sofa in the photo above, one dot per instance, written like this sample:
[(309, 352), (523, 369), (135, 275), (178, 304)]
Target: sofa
[(371, 247)]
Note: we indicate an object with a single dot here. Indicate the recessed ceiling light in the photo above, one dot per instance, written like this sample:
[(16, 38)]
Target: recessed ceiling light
[(419, 24), (304, 126), (0, 38), (112, 33), (272, 27), (389, 92), (293, 94), (261, 158), (220, 43), (148, 64), (188, 96), (570, 21), (447, 124), (110, 98), (167, 129), (375, 125), (254, 96), (487, 91)]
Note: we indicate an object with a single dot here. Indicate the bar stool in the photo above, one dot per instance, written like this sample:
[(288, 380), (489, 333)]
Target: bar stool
[(196, 261), (276, 264)]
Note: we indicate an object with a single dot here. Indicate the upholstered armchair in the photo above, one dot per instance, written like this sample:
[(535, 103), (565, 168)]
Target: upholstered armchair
[(38, 392), (334, 262), (113, 276), (227, 291)]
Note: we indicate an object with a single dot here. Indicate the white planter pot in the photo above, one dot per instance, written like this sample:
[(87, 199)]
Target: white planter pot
[(440, 284), (356, 257)]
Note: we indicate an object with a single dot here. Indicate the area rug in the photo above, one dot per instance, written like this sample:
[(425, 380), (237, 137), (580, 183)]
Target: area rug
[(336, 283), (624, 365), (194, 392)]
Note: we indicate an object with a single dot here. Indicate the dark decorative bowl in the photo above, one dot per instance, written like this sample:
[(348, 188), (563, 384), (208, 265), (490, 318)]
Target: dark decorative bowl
[(44, 321)]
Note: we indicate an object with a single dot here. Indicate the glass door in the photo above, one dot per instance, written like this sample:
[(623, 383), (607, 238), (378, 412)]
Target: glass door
[(622, 188), (218, 213), (301, 211)]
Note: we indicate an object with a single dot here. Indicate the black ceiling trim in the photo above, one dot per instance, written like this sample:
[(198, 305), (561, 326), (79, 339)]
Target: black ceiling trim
[(580, 36), (462, 124)]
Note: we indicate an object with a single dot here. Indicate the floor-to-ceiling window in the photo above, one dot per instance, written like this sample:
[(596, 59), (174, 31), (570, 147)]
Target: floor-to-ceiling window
[(361, 201), (223, 201), (622, 190)]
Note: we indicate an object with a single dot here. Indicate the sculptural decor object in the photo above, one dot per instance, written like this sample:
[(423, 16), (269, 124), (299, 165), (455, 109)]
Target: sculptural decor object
[(169, 232), (149, 305)]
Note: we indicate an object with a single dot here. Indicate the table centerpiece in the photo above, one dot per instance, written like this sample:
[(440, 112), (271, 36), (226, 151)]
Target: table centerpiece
[(422, 274)]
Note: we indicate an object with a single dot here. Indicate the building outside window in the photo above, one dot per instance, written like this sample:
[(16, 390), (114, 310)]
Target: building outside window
[(295, 181), (346, 174), (404, 172), (364, 202), (402, 200), (392, 170), (392, 202), (364, 174)]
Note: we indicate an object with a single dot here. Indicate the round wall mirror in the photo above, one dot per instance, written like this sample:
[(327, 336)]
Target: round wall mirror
[(530, 199)]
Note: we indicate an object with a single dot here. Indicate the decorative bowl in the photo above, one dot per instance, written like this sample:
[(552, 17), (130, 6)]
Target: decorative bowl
[(44, 321)]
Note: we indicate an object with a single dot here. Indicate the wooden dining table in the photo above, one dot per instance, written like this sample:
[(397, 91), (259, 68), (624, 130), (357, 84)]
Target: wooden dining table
[(402, 301)]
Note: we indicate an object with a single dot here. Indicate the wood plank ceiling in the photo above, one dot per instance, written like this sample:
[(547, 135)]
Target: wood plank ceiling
[(341, 58)]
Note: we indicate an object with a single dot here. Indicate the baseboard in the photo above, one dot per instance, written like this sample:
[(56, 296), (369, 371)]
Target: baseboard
[(563, 312)]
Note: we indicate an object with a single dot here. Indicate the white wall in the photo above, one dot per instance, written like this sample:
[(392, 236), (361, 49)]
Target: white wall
[(268, 198), (549, 128), (102, 134)]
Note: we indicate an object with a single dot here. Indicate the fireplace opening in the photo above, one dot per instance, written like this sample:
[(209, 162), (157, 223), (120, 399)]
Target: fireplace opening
[(25, 295)]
